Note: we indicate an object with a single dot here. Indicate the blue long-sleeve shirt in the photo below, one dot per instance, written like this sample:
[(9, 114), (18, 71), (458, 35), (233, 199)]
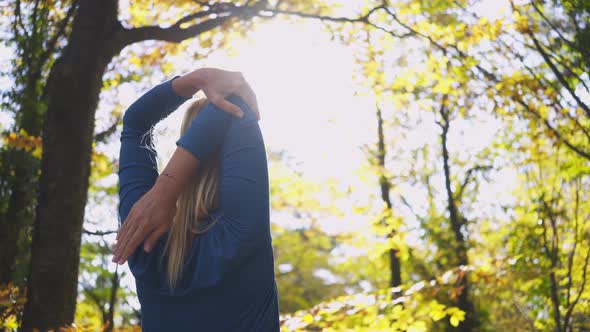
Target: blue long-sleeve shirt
[(227, 281)]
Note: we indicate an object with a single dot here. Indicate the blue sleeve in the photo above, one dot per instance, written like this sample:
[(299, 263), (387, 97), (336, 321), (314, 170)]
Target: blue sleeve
[(243, 215), (206, 132), (138, 169)]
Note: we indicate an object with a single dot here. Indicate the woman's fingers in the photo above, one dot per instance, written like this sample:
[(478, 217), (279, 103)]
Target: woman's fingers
[(129, 221), (123, 242), (131, 244), (220, 84), (228, 107), (150, 243), (248, 95), (125, 224)]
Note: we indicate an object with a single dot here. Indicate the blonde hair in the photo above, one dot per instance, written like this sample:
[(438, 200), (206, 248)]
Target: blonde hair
[(193, 205)]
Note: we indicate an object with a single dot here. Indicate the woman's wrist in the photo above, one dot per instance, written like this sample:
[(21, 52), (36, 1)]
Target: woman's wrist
[(180, 168), (189, 84), (168, 187)]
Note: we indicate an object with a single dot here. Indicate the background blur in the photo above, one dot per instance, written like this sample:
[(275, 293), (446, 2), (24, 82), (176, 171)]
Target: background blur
[(429, 160)]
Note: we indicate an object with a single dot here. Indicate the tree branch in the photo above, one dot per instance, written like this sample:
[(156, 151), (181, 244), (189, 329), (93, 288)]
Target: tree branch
[(220, 12), (174, 33), (551, 276), (563, 62), (59, 32), (572, 253), (34, 19), (409, 206), (88, 291), (555, 132), (584, 276), (361, 19), (558, 74), (103, 135), (415, 32), (556, 103), (544, 17), (341, 19), (98, 233), (468, 176), (18, 21)]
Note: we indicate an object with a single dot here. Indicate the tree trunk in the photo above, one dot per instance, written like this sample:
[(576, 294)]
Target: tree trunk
[(385, 186), (463, 302), (109, 319), (73, 89), (16, 220), (9, 223), (22, 171)]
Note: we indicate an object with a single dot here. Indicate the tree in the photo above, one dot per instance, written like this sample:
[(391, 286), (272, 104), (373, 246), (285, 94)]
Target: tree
[(100, 286), (377, 157), (36, 29), (553, 31), (446, 90), (552, 252)]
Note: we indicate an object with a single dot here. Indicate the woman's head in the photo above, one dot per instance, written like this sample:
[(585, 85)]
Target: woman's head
[(193, 205)]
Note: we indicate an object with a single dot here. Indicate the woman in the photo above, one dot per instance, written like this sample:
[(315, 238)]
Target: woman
[(206, 262)]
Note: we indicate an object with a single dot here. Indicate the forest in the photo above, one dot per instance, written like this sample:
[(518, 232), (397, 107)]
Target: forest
[(429, 161)]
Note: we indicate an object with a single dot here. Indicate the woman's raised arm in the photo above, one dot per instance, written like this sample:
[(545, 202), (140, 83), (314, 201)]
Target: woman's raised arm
[(147, 201)]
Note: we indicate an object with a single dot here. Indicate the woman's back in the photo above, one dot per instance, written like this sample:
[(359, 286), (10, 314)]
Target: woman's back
[(227, 281)]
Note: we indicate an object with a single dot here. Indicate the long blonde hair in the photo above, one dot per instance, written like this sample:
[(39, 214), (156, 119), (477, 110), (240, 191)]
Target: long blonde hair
[(193, 205)]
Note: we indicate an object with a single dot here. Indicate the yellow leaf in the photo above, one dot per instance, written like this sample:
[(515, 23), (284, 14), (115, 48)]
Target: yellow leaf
[(437, 311), (417, 327), (457, 316), (10, 323)]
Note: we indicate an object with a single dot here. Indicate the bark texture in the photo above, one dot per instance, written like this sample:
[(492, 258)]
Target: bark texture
[(73, 89)]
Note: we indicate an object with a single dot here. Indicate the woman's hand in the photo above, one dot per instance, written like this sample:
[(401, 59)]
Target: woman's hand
[(217, 84), (149, 218), (152, 215)]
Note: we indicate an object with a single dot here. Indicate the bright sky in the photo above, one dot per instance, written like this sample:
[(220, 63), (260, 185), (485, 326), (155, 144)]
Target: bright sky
[(305, 91)]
